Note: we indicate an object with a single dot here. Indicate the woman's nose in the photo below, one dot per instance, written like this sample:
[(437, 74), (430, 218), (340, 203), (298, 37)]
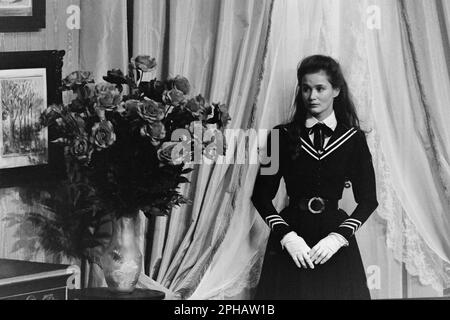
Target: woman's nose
[(313, 95)]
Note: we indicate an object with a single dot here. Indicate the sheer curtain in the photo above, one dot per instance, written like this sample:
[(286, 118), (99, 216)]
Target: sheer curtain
[(218, 46), (103, 36)]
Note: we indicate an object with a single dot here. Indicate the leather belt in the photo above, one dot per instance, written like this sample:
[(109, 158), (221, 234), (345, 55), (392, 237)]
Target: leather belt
[(317, 205)]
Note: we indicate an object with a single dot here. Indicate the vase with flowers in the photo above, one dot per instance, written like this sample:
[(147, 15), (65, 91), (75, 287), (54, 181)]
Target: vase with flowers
[(128, 146)]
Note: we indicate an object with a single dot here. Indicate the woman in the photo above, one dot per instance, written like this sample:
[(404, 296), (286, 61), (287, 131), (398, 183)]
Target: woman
[(312, 251)]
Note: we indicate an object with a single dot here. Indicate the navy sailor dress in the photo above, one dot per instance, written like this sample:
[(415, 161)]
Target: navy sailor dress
[(309, 174)]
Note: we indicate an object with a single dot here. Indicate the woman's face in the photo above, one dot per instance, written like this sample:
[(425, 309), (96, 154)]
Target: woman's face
[(318, 94)]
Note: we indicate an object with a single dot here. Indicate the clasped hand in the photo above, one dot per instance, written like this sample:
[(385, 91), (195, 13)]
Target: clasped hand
[(326, 248), (298, 250), (304, 256)]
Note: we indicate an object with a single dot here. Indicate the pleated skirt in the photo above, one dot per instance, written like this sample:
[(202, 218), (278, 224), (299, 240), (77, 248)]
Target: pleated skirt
[(340, 278)]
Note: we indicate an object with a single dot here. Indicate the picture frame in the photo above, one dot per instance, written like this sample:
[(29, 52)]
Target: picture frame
[(22, 15), (29, 82)]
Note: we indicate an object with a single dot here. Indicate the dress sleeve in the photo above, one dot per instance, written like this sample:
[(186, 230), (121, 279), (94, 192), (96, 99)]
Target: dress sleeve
[(266, 186), (362, 176)]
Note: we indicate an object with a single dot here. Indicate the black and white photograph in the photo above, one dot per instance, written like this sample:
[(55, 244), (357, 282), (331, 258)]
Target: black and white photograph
[(248, 153)]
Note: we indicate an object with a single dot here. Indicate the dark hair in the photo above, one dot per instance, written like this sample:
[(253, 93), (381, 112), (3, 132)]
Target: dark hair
[(344, 107)]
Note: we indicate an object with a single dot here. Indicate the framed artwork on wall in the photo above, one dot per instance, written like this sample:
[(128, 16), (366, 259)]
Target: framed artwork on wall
[(23, 96), (22, 15), (29, 82)]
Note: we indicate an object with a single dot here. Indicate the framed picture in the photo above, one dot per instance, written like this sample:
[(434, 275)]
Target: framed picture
[(22, 15), (29, 82), (23, 96)]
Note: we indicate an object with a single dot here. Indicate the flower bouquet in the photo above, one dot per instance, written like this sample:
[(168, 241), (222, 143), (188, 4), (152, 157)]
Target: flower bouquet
[(133, 149), (128, 146)]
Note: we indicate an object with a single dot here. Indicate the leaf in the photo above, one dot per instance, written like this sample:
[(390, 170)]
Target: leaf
[(19, 245), (12, 216), (183, 180), (103, 235), (91, 243), (154, 213), (186, 171), (12, 221)]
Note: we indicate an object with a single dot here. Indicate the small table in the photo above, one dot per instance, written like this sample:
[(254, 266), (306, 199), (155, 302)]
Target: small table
[(106, 294)]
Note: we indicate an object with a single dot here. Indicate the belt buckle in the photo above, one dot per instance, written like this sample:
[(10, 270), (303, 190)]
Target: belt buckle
[(321, 202)]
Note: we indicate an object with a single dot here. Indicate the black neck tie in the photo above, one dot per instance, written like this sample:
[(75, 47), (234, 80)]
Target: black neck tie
[(321, 131)]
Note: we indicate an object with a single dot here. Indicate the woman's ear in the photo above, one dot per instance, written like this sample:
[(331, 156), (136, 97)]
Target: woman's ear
[(336, 92)]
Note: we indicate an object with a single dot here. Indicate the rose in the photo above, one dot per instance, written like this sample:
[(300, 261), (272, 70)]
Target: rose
[(116, 76), (103, 135), (151, 111), (196, 104), (179, 118), (78, 122), (174, 97), (224, 116), (84, 99), (80, 148), (108, 95), (86, 92), (153, 90), (193, 106), (132, 109), (216, 114), (49, 114), (167, 154), (156, 131), (143, 63), (180, 83), (208, 114), (77, 79), (214, 143)]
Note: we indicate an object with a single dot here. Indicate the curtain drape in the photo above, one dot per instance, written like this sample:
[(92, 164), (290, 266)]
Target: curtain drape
[(103, 36), (218, 46)]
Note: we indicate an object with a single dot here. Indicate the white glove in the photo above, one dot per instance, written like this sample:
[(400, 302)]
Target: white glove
[(327, 247), (298, 249)]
